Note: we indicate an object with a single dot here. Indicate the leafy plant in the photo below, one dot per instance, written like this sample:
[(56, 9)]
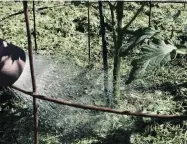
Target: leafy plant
[(139, 37), (155, 53), (152, 56), (119, 42)]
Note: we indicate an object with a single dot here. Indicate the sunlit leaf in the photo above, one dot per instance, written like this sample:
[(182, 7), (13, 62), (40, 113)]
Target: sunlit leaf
[(140, 35), (152, 56)]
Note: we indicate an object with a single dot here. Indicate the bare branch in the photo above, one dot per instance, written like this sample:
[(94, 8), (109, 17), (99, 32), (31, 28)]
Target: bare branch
[(112, 5), (138, 12), (102, 109), (37, 9)]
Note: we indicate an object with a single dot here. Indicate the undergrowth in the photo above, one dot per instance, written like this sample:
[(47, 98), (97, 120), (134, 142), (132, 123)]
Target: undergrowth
[(62, 33)]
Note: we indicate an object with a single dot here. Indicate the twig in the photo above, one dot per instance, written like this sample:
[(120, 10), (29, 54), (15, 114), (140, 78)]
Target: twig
[(166, 1), (113, 6), (134, 17), (37, 9), (113, 24)]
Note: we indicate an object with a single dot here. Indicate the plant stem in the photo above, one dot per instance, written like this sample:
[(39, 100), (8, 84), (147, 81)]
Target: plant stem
[(105, 55), (117, 59)]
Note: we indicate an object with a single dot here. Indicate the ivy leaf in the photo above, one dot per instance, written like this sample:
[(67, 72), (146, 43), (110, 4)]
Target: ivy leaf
[(152, 56), (140, 35)]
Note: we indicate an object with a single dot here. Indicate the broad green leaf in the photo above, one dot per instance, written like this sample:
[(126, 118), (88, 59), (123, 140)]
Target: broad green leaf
[(140, 35), (152, 56)]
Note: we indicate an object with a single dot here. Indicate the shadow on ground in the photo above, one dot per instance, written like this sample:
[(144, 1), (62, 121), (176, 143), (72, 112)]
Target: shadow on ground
[(169, 87)]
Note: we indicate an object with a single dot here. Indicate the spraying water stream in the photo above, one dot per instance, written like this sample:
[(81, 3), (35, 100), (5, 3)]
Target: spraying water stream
[(63, 79)]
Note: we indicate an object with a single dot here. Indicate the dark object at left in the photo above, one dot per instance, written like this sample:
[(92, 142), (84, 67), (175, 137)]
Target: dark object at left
[(12, 63)]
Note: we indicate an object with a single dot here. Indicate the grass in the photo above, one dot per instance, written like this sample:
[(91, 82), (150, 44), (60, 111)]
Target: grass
[(60, 35)]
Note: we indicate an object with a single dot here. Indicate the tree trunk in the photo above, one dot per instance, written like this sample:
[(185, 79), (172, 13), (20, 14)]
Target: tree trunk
[(105, 55), (117, 59)]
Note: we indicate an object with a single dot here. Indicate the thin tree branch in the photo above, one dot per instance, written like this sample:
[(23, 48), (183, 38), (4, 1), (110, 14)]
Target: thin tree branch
[(113, 24), (37, 9), (124, 29), (113, 6), (98, 108), (134, 17), (165, 1)]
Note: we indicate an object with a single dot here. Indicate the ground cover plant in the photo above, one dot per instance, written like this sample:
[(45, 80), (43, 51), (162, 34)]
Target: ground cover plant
[(62, 33)]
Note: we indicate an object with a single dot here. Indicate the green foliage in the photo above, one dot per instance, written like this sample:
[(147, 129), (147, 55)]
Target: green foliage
[(59, 36), (139, 37), (152, 56)]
